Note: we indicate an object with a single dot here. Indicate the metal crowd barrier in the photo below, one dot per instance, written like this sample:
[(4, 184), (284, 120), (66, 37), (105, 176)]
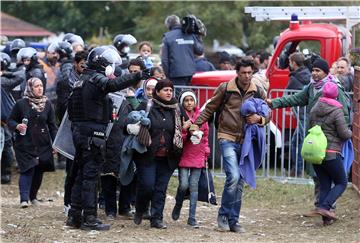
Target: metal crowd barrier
[(280, 133)]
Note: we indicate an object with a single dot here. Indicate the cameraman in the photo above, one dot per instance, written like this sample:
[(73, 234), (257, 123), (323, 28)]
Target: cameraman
[(178, 52)]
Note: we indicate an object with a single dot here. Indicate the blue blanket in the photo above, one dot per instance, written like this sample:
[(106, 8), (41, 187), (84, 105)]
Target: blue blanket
[(131, 144), (254, 147)]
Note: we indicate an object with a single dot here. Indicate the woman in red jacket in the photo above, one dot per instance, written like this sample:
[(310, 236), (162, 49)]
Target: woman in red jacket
[(195, 152)]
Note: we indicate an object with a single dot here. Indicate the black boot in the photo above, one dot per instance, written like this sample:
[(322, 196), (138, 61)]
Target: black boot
[(176, 212), (74, 218), (138, 218), (90, 222)]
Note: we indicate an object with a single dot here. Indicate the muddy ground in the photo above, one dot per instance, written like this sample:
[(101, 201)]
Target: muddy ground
[(271, 213)]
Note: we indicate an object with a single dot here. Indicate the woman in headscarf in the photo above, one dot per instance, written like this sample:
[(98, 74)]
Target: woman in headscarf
[(164, 145), (33, 121)]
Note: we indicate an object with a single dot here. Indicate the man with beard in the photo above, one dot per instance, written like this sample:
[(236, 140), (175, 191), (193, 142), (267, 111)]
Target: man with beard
[(51, 67)]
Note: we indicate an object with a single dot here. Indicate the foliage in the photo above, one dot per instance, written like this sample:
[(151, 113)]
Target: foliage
[(225, 21)]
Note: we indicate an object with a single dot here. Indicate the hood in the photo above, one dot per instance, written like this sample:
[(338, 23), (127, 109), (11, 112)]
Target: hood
[(322, 109)]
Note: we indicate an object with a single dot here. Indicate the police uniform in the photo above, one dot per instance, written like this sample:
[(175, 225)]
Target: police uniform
[(90, 112)]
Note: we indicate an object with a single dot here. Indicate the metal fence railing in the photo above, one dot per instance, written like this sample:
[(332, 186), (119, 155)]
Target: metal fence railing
[(284, 133)]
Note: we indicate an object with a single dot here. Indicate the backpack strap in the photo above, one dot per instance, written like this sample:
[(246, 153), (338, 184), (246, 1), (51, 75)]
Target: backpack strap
[(226, 98)]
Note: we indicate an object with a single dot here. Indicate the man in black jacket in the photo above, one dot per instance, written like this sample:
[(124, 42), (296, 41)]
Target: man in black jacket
[(299, 77), (90, 110)]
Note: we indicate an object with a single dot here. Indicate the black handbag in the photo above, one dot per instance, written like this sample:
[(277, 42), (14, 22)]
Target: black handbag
[(206, 189)]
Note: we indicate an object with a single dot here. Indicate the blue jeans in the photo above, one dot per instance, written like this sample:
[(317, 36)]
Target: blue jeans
[(234, 184), (153, 179), (297, 142), (188, 176), (330, 171)]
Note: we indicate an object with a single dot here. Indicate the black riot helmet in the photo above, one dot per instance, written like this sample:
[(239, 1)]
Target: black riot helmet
[(26, 53), (67, 36), (64, 49), (16, 45), (120, 41), (5, 60), (76, 39), (103, 57)]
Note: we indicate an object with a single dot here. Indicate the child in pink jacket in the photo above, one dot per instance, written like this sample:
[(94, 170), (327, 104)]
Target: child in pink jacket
[(195, 153)]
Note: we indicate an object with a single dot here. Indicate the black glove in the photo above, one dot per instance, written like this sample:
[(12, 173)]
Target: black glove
[(146, 74)]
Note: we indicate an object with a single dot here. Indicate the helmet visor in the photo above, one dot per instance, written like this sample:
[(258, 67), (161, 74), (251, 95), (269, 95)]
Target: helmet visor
[(25, 53), (112, 57), (129, 40)]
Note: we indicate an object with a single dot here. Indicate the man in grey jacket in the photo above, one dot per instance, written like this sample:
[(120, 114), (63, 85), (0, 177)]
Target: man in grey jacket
[(178, 52)]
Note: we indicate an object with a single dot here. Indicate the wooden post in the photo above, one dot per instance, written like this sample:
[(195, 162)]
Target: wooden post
[(356, 131)]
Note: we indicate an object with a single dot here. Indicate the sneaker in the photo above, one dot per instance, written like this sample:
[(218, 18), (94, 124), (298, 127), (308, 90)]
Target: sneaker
[(5, 179), (223, 224), (237, 228), (193, 223), (24, 204), (92, 223), (127, 215), (35, 203), (66, 209), (175, 215), (312, 213), (111, 217), (158, 224)]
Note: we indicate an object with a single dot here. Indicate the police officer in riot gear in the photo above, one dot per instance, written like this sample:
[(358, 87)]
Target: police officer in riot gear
[(27, 58), (122, 44), (15, 47), (90, 110)]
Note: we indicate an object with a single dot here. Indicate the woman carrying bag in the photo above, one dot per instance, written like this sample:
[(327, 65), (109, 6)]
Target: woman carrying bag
[(33, 121)]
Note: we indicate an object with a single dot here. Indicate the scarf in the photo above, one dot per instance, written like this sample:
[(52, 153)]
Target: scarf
[(37, 103), (172, 104), (319, 84)]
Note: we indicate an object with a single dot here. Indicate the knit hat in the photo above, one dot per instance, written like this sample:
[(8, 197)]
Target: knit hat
[(163, 83), (330, 90), (321, 64), (187, 93)]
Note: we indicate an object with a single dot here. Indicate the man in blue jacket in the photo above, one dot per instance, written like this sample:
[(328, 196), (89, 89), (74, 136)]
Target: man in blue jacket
[(178, 52)]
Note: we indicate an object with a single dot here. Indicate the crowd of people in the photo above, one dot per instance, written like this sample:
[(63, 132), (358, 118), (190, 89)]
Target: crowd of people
[(133, 147)]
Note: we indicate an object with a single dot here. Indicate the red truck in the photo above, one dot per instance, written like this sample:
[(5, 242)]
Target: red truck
[(326, 40)]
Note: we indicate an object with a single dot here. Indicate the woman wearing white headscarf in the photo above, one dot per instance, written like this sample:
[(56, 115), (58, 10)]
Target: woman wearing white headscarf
[(33, 121)]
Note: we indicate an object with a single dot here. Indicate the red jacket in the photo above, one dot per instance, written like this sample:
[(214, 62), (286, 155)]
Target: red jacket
[(195, 155)]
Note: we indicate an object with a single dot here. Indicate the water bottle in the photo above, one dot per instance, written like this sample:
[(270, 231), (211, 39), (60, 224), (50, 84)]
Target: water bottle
[(24, 121)]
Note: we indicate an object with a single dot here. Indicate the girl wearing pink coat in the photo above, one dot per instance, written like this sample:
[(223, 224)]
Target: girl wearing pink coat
[(195, 152)]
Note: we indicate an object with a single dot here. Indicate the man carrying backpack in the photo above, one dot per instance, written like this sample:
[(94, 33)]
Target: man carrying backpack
[(308, 96), (227, 101)]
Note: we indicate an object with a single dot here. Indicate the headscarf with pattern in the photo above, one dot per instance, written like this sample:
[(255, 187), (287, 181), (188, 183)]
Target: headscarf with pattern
[(37, 103)]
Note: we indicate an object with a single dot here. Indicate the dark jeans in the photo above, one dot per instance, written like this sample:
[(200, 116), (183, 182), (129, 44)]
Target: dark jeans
[(330, 171), (188, 179), (90, 159), (29, 183), (183, 81), (297, 162), (108, 189), (127, 196), (71, 172), (153, 179), (6, 158)]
